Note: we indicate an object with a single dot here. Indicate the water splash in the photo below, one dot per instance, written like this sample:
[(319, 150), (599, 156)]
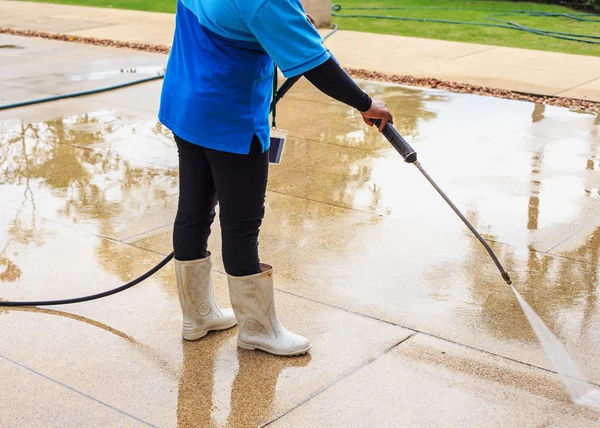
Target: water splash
[(579, 389)]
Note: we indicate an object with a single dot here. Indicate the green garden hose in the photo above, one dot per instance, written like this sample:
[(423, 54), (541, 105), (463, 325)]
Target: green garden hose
[(496, 22), (80, 94)]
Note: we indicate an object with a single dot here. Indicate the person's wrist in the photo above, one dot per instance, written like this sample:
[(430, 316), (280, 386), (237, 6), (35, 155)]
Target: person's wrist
[(368, 104)]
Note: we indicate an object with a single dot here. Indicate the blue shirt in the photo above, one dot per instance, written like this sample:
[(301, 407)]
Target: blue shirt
[(218, 84)]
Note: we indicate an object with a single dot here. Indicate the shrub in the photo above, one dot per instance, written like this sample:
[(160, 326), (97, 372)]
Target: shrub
[(583, 5)]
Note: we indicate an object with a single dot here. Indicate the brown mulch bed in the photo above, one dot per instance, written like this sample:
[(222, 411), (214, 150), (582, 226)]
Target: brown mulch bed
[(146, 47), (466, 88), (575, 104)]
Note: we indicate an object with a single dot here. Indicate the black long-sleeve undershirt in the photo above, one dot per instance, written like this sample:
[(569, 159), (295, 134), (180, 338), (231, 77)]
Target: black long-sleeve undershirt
[(332, 80)]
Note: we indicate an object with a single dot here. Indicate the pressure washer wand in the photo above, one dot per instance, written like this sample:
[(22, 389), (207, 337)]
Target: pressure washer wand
[(410, 156)]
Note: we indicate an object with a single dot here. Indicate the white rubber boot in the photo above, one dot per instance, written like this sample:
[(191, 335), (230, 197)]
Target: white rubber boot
[(201, 313), (253, 302)]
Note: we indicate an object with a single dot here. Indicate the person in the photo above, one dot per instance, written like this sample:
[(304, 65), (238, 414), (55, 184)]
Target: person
[(216, 98)]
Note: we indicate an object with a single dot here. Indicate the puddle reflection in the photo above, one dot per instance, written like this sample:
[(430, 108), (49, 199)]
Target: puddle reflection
[(220, 388), (99, 171)]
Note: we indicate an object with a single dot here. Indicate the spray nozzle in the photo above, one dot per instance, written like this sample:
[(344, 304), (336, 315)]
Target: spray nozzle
[(506, 277)]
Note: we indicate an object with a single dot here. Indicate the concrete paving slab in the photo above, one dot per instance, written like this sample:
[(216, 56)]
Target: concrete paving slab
[(467, 153), (587, 91), (530, 59), (463, 71), (126, 351), (115, 16), (49, 23), (425, 382), (401, 46), (111, 369), (583, 246), (145, 96), (97, 67), (10, 95), (334, 123), (531, 81), (66, 408), (160, 34), (16, 9)]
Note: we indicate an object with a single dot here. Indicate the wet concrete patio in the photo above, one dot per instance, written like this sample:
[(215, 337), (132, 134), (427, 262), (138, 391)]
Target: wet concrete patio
[(410, 322)]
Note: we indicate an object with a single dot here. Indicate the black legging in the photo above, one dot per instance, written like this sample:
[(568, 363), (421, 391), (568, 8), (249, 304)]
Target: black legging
[(239, 183)]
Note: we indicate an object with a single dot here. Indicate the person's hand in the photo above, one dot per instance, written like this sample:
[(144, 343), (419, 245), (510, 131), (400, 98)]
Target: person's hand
[(310, 19), (378, 110)]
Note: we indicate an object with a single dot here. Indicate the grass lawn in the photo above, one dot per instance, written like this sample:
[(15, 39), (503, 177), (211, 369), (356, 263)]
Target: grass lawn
[(473, 11)]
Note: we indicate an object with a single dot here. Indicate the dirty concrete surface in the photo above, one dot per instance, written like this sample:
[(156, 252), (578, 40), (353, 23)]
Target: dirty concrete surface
[(410, 322)]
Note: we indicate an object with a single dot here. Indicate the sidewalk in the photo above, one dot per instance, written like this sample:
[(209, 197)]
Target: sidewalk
[(544, 73)]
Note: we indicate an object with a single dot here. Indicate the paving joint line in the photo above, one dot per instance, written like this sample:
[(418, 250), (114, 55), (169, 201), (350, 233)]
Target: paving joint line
[(312, 140), (142, 248), (86, 232), (339, 379), (384, 152), (83, 394), (474, 53), (137, 235), (576, 86), (570, 236)]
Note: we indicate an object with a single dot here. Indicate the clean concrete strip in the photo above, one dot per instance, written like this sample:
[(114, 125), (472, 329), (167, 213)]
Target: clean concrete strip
[(83, 394), (339, 379), (424, 333)]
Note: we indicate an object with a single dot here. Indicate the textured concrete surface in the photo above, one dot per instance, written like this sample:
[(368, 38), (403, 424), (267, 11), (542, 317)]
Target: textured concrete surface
[(420, 383), (410, 322), (546, 73)]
